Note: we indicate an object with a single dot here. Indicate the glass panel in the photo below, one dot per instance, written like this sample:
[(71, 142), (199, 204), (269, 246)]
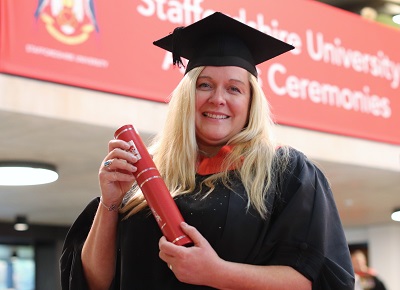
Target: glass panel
[(17, 268)]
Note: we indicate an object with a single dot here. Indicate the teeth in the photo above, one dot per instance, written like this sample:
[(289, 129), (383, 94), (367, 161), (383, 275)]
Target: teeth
[(215, 116)]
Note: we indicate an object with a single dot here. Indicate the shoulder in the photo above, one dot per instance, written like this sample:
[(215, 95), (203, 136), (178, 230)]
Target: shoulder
[(291, 160), (295, 160), (296, 170)]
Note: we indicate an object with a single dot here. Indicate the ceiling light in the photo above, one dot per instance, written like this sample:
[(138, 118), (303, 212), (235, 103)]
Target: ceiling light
[(15, 173), (396, 19), (396, 215), (21, 223)]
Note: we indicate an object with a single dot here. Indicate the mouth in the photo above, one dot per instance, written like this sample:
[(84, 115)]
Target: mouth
[(215, 116)]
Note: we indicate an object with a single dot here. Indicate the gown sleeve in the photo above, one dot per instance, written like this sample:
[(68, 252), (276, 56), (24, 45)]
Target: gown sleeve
[(306, 232), (72, 276)]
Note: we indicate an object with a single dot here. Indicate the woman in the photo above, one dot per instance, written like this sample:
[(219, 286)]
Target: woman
[(366, 277), (261, 216)]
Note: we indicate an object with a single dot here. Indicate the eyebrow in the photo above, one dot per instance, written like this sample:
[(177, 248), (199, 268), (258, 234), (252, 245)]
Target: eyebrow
[(208, 77)]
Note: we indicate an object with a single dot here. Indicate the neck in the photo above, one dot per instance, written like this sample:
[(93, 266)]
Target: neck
[(209, 151)]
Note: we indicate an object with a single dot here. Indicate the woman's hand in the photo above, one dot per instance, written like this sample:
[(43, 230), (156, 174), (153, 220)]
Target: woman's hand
[(116, 172), (201, 265), (190, 264)]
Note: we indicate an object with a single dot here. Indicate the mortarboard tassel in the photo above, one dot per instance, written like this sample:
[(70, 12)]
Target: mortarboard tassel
[(176, 47)]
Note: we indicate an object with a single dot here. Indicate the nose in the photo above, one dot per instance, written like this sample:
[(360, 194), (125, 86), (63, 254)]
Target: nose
[(217, 97)]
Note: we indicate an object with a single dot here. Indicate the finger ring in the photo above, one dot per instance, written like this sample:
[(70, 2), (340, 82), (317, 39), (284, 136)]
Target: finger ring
[(170, 267), (108, 163)]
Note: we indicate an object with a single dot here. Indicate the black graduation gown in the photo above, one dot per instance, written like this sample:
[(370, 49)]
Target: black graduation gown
[(303, 230)]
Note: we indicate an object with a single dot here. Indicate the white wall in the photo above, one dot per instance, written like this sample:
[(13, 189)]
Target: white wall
[(45, 99)]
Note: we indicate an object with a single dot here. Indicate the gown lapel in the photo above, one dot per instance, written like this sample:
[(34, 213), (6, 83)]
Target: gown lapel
[(244, 229)]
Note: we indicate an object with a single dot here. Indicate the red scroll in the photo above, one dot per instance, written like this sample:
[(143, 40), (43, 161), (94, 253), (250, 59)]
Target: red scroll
[(154, 189)]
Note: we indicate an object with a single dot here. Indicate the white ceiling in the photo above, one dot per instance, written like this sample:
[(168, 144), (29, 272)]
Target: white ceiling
[(364, 195)]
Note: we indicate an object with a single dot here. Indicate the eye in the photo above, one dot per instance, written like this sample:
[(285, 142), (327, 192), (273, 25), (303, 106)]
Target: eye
[(203, 86), (235, 89)]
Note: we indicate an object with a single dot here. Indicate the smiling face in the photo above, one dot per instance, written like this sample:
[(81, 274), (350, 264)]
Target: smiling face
[(222, 105)]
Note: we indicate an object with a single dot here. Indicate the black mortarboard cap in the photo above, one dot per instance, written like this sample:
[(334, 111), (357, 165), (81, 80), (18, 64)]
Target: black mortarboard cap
[(219, 40)]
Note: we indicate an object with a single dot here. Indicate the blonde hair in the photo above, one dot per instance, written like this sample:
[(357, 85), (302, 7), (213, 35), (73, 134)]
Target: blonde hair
[(175, 150)]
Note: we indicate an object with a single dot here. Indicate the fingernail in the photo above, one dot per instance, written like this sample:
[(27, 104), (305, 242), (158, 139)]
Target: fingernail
[(133, 157)]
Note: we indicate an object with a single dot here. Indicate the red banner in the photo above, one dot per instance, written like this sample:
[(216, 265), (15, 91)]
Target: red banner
[(343, 77)]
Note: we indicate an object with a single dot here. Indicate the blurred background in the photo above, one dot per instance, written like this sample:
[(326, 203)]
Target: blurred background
[(382, 11), (67, 127)]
